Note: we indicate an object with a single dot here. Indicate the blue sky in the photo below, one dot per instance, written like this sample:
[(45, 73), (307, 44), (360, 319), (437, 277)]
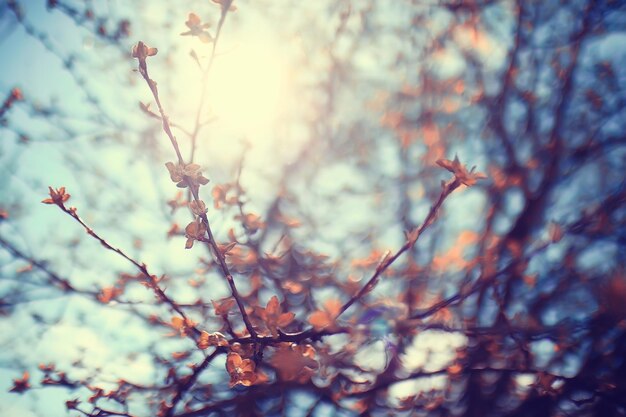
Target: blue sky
[(263, 96)]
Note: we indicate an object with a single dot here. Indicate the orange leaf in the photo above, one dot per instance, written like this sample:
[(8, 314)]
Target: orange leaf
[(222, 308), (321, 319)]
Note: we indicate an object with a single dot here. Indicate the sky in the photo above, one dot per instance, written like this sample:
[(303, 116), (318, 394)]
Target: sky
[(261, 96), (258, 96)]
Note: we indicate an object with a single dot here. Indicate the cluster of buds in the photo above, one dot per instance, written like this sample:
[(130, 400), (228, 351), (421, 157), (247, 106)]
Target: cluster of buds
[(185, 175), (460, 171), (58, 196), (190, 175), (216, 339)]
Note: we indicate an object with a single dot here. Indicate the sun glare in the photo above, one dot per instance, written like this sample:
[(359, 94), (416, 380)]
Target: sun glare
[(249, 87)]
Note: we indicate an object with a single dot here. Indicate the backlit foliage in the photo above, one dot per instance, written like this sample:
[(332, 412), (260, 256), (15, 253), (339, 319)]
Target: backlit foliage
[(350, 259)]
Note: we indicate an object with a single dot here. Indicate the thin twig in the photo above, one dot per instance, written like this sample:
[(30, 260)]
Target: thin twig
[(143, 70), (151, 280), (191, 380), (446, 190)]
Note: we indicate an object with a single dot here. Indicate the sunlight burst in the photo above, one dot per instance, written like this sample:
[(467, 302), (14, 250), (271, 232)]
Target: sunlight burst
[(249, 87)]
